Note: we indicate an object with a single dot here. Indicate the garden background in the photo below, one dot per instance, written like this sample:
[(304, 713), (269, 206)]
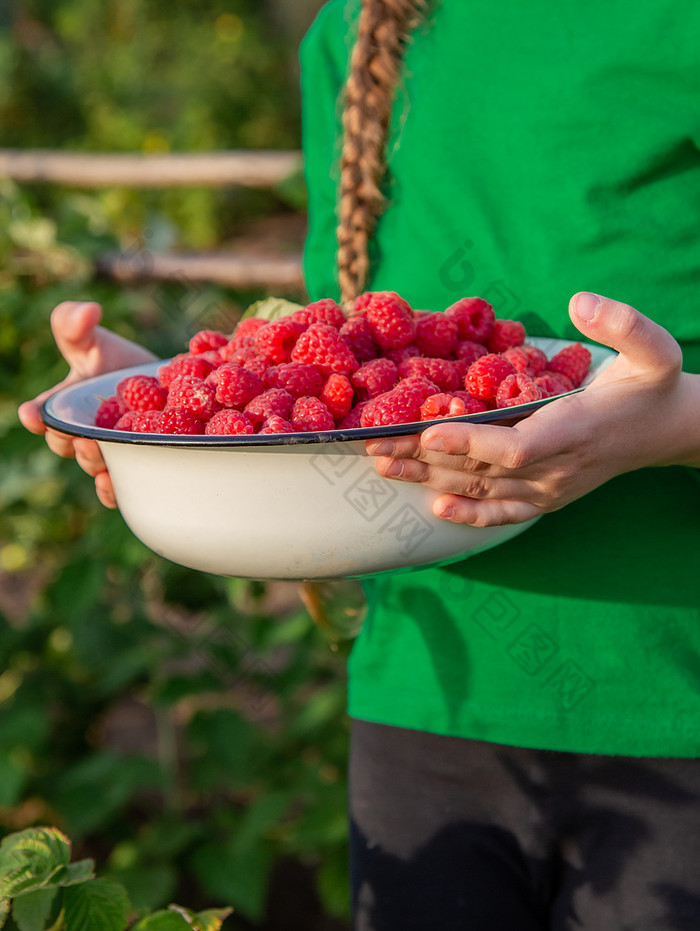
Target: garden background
[(185, 731)]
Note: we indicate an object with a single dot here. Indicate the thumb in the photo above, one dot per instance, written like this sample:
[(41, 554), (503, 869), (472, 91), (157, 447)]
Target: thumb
[(642, 344), (74, 328)]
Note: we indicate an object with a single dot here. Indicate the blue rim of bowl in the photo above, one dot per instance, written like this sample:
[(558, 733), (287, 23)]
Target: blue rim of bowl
[(504, 416)]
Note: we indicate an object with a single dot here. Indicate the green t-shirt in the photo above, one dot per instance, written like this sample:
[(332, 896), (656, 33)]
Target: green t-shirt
[(537, 149)]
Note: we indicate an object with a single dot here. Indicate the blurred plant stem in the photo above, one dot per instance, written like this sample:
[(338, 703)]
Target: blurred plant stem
[(339, 608)]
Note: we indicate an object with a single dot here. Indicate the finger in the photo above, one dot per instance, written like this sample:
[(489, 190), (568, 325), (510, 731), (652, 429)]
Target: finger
[(498, 446), (29, 415), (496, 513), (641, 342), (105, 490), (88, 456), (454, 481), (60, 443), (74, 328), (399, 446)]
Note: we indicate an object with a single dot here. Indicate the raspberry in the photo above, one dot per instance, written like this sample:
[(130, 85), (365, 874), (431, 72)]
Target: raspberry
[(486, 374), (140, 422), (357, 333), (249, 358), (179, 421), (323, 311), (109, 412), (471, 405), (469, 351), (142, 393), (234, 385), (474, 317), (354, 418), (276, 340), (506, 333), (436, 335), (517, 389), (277, 424), (311, 414), (229, 423), (389, 316), (552, 384), (572, 361), (275, 401), (397, 356), (298, 378), (337, 395), (321, 345), (244, 335), (184, 364), (206, 340), (400, 405), (440, 371), (441, 405), (526, 360), (193, 395), (375, 377)]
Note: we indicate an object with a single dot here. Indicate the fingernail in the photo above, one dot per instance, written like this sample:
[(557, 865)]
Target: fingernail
[(394, 469), (382, 448), (587, 305), (447, 513), (434, 443)]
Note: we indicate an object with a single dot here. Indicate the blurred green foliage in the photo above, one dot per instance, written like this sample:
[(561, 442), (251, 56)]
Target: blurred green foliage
[(186, 731)]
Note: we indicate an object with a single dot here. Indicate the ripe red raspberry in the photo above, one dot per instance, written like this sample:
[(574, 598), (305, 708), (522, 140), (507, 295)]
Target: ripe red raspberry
[(471, 405), (572, 361), (440, 371), (109, 412), (441, 405), (206, 340), (140, 422), (178, 421), (275, 401), (184, 364), (517, 389), (337, 395), (298, 378), (276, 340), (389, 316), (244, 335), (357, 333), (486, 374), (469, 351), (552, 384), (397, 356), (234, 385), (474, 317), (354, 418), (374, 378), (276, 424), (526, 359), (436, 335), (321, 345), (193, 395), (506, 333), (323, 311), (400, 405), (142, 393), (311, 414), (229, 423)]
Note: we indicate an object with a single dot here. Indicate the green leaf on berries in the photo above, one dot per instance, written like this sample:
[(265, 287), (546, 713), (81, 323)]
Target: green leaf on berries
[(272, 308), (98, 905), (31, 910)]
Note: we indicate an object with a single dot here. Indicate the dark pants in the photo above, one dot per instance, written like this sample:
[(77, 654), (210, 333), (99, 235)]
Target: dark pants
[(461, 835)]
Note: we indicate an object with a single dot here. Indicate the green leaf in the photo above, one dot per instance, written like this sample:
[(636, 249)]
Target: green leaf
[(74, 873), (211, 919), (272, 308), (31, 910), (98, 905), (4, 910), (163, 921), (29, 859)]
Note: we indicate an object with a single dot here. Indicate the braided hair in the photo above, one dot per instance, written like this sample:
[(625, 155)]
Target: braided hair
[(369, 94)]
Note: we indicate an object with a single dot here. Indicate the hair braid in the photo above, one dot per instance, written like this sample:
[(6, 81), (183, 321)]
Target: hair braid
[(369, 94)]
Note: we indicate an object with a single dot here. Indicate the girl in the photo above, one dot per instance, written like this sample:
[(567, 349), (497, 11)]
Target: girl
[(526, 736)]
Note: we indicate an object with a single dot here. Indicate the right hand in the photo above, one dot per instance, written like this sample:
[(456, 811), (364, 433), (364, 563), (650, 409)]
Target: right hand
[(89, 350)]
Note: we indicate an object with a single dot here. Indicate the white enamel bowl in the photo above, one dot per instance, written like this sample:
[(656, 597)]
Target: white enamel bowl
[(299, 506)]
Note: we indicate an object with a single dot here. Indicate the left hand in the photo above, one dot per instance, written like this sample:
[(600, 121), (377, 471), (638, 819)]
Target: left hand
[(640, 411)]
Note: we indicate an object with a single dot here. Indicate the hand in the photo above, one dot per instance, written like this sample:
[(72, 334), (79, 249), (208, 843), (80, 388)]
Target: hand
[(90, 350), (640, 411)]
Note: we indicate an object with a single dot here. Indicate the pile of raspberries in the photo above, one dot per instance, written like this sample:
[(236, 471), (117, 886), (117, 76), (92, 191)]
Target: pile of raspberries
[(319, 369)]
